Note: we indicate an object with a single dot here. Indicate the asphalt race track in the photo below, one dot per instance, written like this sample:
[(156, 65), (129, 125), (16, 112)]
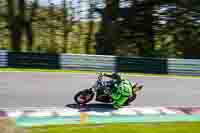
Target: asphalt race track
[(31, 89)]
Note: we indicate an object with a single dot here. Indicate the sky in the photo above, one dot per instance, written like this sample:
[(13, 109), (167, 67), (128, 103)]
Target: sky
[(46, 2), (75, 3), (84, 6), (78, 7)]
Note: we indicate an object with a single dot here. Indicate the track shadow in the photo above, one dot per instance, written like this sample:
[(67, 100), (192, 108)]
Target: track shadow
[(98, 107)]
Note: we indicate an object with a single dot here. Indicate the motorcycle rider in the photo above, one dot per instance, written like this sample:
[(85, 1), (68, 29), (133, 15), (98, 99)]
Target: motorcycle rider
[(121, 89)]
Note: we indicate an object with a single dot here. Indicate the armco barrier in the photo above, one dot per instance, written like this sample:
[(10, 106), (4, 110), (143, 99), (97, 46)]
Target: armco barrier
[(100, 63), (3, 58), (33, 60), (184, 66), (113, 63), (88, 62)]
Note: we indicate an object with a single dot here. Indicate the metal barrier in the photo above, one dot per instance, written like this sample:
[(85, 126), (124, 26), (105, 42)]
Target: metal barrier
[(100, 63), (33, 60), (88, 62), (113, 63), (3, 58), (184, 67)]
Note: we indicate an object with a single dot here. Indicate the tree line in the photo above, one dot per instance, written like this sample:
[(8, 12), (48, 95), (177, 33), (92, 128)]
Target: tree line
[(150, 28)]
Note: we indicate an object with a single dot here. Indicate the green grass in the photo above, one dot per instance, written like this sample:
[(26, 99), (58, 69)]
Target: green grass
[(121, 128), (43, 70), (89, 72)]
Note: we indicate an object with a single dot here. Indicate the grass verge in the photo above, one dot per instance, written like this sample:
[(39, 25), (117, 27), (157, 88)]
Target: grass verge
[(90, 72), (121, 128)]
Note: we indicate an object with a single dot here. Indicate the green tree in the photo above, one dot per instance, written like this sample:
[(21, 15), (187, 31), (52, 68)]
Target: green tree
[(18, 24), (107, 37)]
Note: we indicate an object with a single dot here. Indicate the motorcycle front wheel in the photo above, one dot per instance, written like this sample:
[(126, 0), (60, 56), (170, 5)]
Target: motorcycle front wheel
[(130, 100), (84, 96)]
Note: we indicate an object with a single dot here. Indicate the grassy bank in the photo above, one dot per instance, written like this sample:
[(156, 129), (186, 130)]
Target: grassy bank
[(122, 128)]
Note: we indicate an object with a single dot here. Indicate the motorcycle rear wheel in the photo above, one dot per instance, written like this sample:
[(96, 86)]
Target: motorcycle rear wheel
[(84, 96)]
